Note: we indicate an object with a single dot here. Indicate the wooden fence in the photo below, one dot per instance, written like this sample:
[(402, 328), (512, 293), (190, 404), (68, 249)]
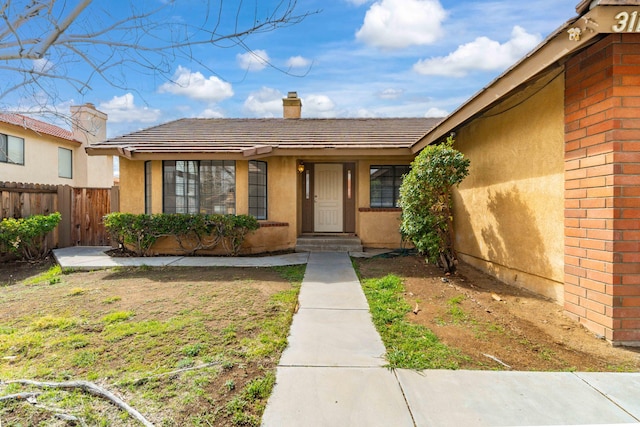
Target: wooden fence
[(81, 209)]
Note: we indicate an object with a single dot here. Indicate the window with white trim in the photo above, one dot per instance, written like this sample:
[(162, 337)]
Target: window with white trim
[(11, 149), (65, 163)]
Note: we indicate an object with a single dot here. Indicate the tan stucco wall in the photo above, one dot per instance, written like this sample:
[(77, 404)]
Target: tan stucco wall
[(41, 162), (132, 187), (376, 228), (281, 182), (509, 211)]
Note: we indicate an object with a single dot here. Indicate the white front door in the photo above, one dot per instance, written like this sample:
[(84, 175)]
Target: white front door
[(328, 198)]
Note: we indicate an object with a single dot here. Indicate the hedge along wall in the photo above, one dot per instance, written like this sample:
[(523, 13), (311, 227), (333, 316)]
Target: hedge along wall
[(602, 188)]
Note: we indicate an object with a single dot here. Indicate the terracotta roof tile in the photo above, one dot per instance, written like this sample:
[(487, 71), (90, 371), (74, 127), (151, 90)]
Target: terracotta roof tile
[(37, 126), (246, 135)]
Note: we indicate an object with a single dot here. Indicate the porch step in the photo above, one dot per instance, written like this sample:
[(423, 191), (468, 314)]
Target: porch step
[(325, 243)]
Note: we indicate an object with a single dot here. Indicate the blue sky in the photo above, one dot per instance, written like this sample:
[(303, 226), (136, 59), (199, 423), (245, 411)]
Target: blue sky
[(354, 58)]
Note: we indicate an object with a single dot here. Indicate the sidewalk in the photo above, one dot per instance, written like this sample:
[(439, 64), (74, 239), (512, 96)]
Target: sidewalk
[(331, 374), (94, 258)]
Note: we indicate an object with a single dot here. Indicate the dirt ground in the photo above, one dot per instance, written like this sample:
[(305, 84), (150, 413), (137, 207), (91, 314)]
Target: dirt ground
[(499, 326), (180, 318)]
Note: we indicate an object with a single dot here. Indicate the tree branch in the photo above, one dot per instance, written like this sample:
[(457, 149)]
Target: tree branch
[(92, 389)]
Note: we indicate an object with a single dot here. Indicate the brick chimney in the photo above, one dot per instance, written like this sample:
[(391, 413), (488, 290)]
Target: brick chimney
[(292, 106)]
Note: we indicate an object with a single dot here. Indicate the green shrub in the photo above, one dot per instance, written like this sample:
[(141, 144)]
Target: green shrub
[(425, 198), (26, 237), (192, 232)]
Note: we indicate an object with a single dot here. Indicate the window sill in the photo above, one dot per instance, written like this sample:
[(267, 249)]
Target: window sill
[(380, 209)]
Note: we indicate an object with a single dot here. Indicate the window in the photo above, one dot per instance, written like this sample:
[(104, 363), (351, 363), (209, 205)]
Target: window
[(11, 149), (147, 187), (199, 186), (258, 189), (385, 185), (65, 163)]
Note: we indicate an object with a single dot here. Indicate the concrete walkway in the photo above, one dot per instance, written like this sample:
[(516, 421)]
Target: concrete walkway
[(332, 373), (95, 258)]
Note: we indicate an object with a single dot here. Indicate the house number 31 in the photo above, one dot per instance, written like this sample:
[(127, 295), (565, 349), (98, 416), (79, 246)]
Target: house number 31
[(627, 22)]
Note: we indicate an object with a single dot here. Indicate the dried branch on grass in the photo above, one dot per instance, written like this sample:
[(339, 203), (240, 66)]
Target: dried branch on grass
[(92, 389)]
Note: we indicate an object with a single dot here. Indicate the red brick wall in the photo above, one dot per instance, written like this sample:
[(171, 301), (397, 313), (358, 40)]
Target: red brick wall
[(602, 188)]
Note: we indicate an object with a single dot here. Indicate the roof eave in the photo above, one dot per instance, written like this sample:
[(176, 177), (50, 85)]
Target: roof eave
[(550, 52)]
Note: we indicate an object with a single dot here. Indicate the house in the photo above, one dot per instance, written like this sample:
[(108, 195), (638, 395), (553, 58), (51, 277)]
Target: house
[(552, 202), (32, 151), (296, 176)]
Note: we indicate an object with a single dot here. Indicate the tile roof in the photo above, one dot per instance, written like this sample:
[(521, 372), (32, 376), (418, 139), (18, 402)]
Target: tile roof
[(37, 126), (259, 136)]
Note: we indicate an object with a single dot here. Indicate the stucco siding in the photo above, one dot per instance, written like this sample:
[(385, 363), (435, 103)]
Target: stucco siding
[(509, 211), (132, 187), (41, 161)]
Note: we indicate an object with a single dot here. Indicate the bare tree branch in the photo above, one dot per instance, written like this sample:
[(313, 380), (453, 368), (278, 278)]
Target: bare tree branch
[(44, 43)]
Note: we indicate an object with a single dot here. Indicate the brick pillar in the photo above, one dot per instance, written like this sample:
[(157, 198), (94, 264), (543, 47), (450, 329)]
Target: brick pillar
[(602, 188)]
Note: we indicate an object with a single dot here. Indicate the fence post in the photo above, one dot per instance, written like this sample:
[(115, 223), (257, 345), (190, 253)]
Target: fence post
[(64, 207)]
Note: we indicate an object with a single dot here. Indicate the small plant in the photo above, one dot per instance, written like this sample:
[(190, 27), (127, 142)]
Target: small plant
[(118, 316), (51, 276), (230, 385), (192, 350), (455, 311), (111, 300), (76, 292)]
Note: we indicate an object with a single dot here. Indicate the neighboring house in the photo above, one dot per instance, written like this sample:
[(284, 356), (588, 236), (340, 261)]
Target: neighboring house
[(552, 202), (32, 151)]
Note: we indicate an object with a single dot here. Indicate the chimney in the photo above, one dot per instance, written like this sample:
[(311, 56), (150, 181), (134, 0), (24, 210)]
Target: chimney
[(88, 124), (292, 106)]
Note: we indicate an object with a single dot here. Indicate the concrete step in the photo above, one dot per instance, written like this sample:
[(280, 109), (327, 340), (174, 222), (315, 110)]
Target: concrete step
[(324, 243)]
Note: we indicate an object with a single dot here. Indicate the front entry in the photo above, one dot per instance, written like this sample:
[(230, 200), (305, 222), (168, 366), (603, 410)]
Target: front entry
[(328, 209), (328, 198)]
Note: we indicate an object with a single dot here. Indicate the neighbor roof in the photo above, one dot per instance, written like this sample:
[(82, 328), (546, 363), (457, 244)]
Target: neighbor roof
[(37, 126), (250, 137)]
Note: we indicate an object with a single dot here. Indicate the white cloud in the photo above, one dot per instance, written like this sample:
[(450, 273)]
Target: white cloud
[(266, 102), (298, 62), (396, 24), (481, 54), (211, 113), (42, 65), (122, 109), (436, 112), (357, 2), (391, 93), (197, 86), (318, 106), (255, 60)]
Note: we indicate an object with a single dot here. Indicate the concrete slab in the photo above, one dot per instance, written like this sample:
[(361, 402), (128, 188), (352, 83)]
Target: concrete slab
[(485, 398), (332, 296), (322, 397), (333, 338), (262, 261), (329, 267), (622, 388), (94, 257)]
